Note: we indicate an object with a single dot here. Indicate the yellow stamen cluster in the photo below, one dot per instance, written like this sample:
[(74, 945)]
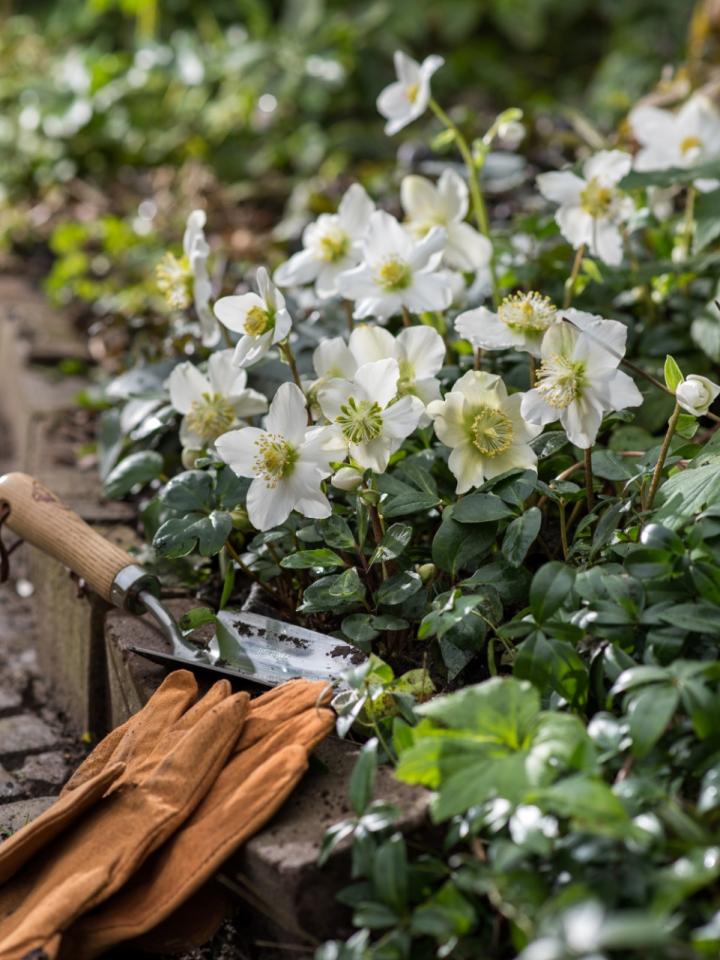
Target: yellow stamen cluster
[(491, 431), (393, 275), (334, 246), (210, 416), (275, 459), (596, 199), (560, 381), (411, 91), (257, 321), (530, 313), (689, 144), (360, 420), (174, 281)]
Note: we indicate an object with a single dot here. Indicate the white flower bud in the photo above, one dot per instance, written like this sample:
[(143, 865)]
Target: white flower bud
[(695, 394), (347, 478)]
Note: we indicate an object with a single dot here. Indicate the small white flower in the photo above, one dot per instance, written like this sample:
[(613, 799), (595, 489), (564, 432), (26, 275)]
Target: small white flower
[(592, 206), (689, 137), (407, 98), (330, 245), (695, 394), (185, 280), (262, 319), (485, 429), (197, 251), (211, 404), (372, 426), (287, 460), (578, 380), (446, 204), (332, 360), (419, 351), (521, 321), (396, 272)]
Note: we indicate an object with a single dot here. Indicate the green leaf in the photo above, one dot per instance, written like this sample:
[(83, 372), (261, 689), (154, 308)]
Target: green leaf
[(358, 628), (457, 546), (707, 219), (481, 508), (362, 778), (137, 469), (520, 535), (551, 663), (336, 590), (189, 492), (673, 374), (549, 588), (702, 617), (395, 539), (444, 916), (180, 536), (401, 499), (590, 803), (390, 872), (321, 559), (688, 493), (399, 588), (228, 586), (195, 618), (649, 713), (609, 466), (336, 533), (347, 586)]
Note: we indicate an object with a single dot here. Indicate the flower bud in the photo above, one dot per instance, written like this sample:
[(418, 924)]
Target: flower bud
[(189, 457), (695, 394), (347, 478), (426, 571)]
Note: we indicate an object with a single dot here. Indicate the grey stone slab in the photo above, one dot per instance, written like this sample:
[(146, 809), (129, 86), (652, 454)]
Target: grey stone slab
[(14, 816), (10, 789), (24, 733), (51, 768)]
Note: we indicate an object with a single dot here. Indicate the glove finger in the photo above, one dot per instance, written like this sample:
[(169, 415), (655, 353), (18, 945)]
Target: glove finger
[(17, 849), (171, 699), (218, 692), (184, 864), (266, 713)]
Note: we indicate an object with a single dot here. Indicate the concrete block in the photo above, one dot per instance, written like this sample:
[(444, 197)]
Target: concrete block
[(14, 816)]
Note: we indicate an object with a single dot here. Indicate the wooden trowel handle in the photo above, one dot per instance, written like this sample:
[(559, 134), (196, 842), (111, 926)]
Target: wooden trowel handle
[(43, 520)]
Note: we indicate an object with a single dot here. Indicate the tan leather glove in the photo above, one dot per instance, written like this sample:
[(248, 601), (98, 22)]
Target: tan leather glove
[(168, 770), (169, 896)]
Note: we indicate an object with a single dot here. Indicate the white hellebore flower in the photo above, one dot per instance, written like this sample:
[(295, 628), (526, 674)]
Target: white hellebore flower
[(484, 428), (419, 351), (521, 321), (262, 319), (185, 280), (683, 139), (197, 251), (446, 204), (372, 426), (397, 272), (407, 98), (287, 461), (330, 245), (211, 404), (695, 394), (578, 379), (592, 206)]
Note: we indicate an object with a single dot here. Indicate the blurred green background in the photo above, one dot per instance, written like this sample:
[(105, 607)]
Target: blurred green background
[(262, 89)]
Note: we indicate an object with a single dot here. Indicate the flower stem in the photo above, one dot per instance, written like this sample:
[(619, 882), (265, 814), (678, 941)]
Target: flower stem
[(662, 457), (248, 572), (290, 357), (563, 529), (476, 194), (686, 237), (587, 459), (226, 336), (406, 318), (571, 281), (348, 308)]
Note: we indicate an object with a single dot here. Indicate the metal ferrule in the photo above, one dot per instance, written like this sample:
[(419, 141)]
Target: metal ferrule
[(128, 584)]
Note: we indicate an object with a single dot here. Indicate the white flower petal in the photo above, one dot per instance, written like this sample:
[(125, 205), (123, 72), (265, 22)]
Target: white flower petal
[(333, 358), (454, 192), (373, 455), (232, 311), (420, 199), (467, 249), (288, 414), (467, 466), (608, 166), (575, 225), (606, 242), (402, 417), (368, 343), (250, 349), (301, 268), (423, 349), (378, 381), (484, 329), (238, 448), (267, 506), (561, 186), (186, 385), (225, 377), (355, 210)]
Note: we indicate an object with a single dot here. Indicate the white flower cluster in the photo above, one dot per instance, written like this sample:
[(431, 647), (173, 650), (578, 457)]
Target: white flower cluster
[(373, 390)]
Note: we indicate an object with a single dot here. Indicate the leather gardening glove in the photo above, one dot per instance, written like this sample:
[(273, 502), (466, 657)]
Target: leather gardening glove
[(161, 785), (92, 779), (170, 896)]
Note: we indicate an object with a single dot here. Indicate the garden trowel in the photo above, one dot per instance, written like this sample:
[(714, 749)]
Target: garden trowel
[(247, 646)]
